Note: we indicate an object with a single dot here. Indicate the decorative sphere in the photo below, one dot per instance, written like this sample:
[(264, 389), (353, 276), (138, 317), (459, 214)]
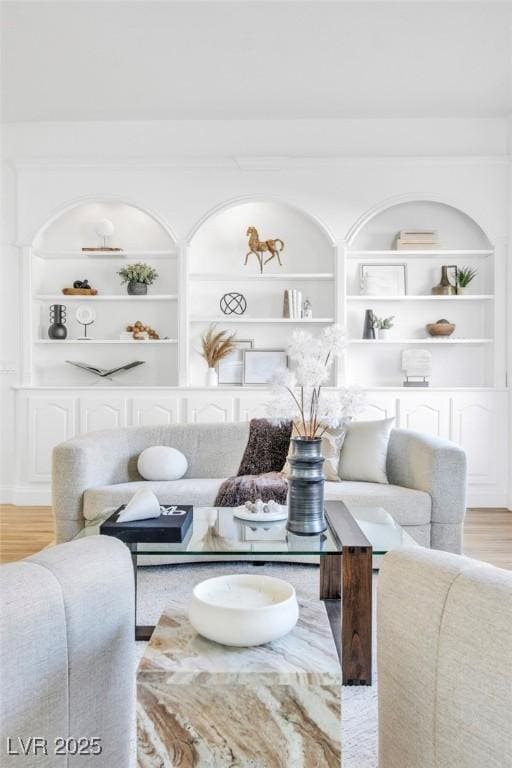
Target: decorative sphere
[(104, 228), (233, 304)]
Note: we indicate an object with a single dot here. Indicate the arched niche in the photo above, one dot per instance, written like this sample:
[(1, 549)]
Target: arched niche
[(74, 226), (218, 243), (377, 228)]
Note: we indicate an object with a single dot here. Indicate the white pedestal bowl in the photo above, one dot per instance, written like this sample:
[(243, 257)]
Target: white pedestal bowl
[(243, 610)]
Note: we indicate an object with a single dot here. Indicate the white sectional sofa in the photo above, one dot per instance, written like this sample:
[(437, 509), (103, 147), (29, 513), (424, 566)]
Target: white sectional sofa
[(426, 492)]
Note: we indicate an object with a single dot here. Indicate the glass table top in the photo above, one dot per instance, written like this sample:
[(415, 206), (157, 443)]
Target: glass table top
[(217, 530)]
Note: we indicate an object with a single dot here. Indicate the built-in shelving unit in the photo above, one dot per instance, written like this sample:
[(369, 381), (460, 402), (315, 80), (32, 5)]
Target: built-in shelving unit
[(465, 359), (56, 260), (263, 320), (284, 276)]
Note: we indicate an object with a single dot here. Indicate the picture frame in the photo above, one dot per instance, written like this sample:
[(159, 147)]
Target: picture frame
[(260, 364), (230, 370), (383, 279)]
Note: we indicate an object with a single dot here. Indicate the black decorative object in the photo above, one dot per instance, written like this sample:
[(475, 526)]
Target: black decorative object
[(369, 325), (233, 304), (81, 284), (57, 329), (306, 487)]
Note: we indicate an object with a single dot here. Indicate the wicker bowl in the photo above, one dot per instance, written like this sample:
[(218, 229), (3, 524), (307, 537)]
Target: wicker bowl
[(441, 328)]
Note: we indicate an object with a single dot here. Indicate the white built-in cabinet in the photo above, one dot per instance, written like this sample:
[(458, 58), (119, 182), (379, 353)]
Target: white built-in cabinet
[(473, 418), (467, 399)]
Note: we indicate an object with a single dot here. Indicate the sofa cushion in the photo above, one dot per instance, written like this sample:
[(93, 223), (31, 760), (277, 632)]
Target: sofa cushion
[(198, 491), (405, 505)]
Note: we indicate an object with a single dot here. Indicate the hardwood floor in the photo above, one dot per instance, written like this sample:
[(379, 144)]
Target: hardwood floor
[(25, 530)]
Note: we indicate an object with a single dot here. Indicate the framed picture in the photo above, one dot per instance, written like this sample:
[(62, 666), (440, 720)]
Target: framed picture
[(260, 364), (231, 369), (383, 279)]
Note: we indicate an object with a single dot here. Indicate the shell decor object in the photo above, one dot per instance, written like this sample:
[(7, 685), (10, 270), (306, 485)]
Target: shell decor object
[(441, 328)]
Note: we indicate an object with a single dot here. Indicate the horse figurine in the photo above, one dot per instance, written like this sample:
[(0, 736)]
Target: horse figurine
[(258, 247)]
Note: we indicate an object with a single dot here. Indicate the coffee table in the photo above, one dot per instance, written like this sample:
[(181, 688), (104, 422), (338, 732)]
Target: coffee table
[(354, 536)]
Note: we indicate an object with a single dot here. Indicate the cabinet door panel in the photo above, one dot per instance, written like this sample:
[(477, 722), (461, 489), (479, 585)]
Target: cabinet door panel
[(206, 407), (105, 412), (50, 421), (426, 412), (152, 411), (252, 406), (378, 406), (478, 428)]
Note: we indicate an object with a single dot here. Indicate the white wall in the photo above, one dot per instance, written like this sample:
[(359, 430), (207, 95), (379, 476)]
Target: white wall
[(336, 170)]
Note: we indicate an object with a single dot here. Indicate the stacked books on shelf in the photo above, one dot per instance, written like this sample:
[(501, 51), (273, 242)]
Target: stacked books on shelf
[(292, 304), (416, 240)]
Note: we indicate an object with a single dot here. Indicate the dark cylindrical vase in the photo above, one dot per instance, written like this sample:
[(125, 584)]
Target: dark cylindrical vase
[(369, 325), (306, 487), (57, 329), (137, 289)]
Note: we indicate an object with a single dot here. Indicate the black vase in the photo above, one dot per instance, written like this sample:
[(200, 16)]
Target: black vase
[(306, 487), (369, 325), (57, 329)]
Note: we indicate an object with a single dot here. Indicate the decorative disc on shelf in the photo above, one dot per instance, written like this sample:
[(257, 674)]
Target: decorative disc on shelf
[(233, 304)]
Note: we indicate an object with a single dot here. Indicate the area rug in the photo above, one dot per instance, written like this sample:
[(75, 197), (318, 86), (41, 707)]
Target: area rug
[(167, 586)]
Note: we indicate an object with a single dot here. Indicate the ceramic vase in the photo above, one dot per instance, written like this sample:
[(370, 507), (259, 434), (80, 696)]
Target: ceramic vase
[(369, 325), (212, 378), (57, 329), (383, 334), (137, 289), (306, 487), (444, 288)]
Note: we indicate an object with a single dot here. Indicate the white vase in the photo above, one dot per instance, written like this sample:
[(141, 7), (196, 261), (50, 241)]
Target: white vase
[(212, 379), (461, 290), (383, 333)]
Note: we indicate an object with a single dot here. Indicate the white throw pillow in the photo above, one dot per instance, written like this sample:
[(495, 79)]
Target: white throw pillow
[(160, 462), (365, 450)]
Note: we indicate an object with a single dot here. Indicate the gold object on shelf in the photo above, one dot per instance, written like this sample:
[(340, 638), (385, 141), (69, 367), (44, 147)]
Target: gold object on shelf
[(258, 247)]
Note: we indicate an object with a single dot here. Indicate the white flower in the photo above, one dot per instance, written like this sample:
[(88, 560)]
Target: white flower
[(311, 372), (283, 377), (300, 345), (332, 341)]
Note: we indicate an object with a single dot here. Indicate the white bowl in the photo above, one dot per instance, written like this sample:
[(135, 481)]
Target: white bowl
[(243, 609)]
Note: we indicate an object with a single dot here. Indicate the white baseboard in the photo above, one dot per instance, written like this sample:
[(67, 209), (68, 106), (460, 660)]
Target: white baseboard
[(488, 497), (26, 496)]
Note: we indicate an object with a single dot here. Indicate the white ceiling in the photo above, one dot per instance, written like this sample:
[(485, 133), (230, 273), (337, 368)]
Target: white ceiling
[(255, 60)]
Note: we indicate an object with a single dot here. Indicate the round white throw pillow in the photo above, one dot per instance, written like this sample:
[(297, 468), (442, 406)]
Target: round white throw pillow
[(162, 463)]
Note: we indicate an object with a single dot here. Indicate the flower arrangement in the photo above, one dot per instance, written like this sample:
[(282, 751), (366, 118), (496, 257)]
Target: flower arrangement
[(465, 275), (138, 273), (297, 392), (384, 323), (216, 345)]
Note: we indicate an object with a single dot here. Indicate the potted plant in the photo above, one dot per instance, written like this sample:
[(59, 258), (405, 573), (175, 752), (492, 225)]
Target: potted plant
[(464, 276), (298, 396), (138, 277), (383, 326), (215, 346)]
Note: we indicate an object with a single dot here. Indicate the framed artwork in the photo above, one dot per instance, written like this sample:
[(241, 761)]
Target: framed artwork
[(383, 279), (231, 369), (260, 364)]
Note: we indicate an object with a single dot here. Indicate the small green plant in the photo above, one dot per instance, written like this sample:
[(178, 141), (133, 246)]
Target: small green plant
[(138, 273), (465, 275), (384, 323)]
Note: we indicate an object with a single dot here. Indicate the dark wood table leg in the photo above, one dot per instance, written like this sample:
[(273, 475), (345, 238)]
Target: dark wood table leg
[(356, 621), (142, 632), (330, 577)]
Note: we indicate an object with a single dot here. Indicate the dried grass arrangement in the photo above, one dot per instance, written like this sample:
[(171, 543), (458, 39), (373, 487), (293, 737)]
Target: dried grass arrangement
[(216, 345)]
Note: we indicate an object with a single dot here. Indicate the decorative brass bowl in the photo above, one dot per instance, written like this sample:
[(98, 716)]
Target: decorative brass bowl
[(441, 328)]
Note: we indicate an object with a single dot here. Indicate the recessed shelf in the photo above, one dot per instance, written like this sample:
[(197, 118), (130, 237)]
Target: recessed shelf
[(427, 340), (105, 297), (82, 342), (233, 277), (435, 253), (267, 320), (465, 297), (106, 255)]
